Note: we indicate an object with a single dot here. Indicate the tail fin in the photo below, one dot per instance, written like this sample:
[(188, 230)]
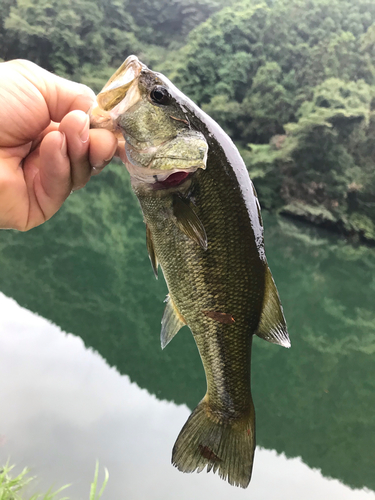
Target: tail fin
[(224, 446)]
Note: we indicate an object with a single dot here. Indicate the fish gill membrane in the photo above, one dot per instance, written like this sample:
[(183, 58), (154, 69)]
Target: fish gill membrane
[(187, 173)]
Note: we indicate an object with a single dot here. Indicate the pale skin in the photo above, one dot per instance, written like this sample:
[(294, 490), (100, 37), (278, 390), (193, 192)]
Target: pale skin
[(46, 147)]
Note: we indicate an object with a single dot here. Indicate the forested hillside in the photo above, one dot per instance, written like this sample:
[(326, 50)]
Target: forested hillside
[(292, 81)]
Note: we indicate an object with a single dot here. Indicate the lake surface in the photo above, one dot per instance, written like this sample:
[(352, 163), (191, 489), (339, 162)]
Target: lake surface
[(84, 377)]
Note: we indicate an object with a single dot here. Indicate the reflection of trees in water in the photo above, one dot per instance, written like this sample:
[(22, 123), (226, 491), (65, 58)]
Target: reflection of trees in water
[(327, 288), (88, 271)]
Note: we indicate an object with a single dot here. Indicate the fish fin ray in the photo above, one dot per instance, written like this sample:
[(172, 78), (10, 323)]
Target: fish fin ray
[(151, 251), (188, 222), (224, 447), (171, 322), (272, 325)]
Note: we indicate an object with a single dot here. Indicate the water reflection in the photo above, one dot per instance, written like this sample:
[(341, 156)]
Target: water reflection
[(65, 407), (88, 271)]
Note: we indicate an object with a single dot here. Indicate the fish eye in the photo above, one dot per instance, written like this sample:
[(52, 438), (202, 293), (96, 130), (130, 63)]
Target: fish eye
[(160, 95)]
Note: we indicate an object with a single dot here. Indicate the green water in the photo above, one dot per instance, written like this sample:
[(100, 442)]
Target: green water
[(88, 271)]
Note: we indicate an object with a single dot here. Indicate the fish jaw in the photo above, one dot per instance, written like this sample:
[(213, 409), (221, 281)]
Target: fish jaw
[(117, 87), (169, 163), (117, 95)]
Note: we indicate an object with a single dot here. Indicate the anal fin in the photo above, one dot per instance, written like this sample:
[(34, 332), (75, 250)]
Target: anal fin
[(171, 322), (272, 325), (151, 251)]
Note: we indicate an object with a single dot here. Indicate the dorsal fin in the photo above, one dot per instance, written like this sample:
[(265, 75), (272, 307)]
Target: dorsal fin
[(188, 221), (151, 251), (272, 325), (171, 322)]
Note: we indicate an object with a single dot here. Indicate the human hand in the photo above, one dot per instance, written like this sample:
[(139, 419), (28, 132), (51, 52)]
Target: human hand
[(46, 147)]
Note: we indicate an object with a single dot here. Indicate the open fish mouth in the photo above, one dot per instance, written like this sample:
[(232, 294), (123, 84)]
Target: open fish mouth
[(159, 179), (173, 180), (119, 84), (115, 92)]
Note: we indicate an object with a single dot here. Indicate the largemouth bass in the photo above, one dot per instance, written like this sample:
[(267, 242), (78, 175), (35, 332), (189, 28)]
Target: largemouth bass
[(204, 228)]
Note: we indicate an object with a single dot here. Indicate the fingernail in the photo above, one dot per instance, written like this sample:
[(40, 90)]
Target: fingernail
[(96, 170), (84, 135), (111, 157), (64, 149), (100, 166)]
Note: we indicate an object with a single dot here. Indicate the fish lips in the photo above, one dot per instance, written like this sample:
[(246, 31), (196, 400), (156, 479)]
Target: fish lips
[(157, 179)]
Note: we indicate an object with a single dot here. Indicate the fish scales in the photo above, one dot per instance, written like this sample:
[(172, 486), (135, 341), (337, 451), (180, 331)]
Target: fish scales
[(221, 278), (203, 226)]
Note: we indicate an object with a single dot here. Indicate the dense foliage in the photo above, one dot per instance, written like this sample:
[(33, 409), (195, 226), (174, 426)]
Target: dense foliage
[(292, 81), (80, 38)]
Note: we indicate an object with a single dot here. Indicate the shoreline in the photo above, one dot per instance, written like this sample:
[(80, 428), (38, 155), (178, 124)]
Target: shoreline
[(319, 216)]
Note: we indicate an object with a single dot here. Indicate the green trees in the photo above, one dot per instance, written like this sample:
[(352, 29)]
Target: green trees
[(64, 35), (57, 34), (296, 44), (318, 160), (268, 103), (164, 21), (283, 77), (293, 81)]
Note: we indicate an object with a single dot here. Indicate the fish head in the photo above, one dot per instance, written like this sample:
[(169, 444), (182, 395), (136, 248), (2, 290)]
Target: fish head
[(162, 148)]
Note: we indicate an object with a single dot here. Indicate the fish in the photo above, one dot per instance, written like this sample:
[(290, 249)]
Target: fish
[(204, 230)]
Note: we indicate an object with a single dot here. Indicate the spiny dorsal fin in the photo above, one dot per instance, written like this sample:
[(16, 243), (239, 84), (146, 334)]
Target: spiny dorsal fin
[(151, 251), (272, 325), (188, 221), (171, 322)]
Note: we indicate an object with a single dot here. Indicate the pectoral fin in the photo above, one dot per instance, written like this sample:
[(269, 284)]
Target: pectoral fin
[(272, 325), (151, 251), (188, 221), (171, 322)]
